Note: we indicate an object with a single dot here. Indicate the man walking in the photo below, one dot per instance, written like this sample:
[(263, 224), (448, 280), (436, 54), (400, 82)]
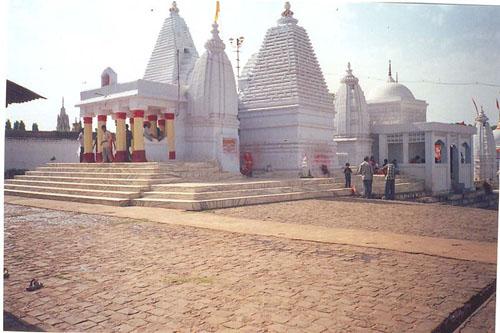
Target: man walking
[(390, 180), (106, 145), (128, 137), (366, 172)]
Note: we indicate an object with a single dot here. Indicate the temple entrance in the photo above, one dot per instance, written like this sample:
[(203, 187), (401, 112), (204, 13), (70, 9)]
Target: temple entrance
[(454, 166)]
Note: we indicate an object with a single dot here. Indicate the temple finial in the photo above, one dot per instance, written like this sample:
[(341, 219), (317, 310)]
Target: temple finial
[(390, 74), (174, 8), (63, 101), (397, 80), (287, 12), (349, 70)]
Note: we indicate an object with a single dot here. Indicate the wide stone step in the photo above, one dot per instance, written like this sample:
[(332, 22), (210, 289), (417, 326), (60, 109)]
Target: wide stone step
[(147, 170), (90, 186), (102, 180), (236, 201), (126, 165), (115, 175), (74, 191), (70, 197), (228, 186)]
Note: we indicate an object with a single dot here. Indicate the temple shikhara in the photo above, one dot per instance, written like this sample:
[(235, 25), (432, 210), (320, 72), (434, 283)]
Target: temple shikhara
[(281, 121)]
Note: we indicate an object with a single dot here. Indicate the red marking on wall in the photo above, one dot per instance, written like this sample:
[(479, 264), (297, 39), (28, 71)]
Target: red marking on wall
[(171, 155), (229, 146)]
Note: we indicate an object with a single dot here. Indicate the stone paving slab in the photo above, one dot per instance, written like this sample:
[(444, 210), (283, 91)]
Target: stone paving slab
[(483, 321), (431, 220), (105, 273), (449, 248)]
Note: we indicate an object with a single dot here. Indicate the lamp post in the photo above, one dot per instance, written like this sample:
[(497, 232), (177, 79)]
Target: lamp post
[(237, 44)]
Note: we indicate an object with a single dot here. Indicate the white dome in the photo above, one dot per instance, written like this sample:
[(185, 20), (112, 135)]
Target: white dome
[(391, 91)]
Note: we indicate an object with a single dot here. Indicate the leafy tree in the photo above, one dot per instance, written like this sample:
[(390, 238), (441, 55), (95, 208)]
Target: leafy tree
[(8, 125), (34, 127), (22, 126), (16, 125)]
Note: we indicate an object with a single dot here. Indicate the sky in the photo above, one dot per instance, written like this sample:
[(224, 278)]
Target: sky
[(58, 48)]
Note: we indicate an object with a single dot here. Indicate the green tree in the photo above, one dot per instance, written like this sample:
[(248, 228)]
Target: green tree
[(16, 125), (34, 127), (8, 125), (22, 126)]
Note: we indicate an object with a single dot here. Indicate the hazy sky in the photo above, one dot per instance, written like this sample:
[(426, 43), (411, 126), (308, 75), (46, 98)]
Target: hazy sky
[(58, 48)]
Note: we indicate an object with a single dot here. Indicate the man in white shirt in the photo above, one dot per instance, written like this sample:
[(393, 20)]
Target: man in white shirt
[(106, 142), (366, 172)]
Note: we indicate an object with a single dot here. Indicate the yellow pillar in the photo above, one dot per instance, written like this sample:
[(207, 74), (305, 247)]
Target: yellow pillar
[(101, 120), (138, 155), (88, 155), (170, 135), (121, 143)]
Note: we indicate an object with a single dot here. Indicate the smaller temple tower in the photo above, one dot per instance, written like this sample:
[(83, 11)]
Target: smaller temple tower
[(484, 150), (352, 133), (211, 124), (63, 120)]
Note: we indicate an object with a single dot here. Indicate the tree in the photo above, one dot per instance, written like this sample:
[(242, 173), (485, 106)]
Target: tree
[(34, 127), (16, 125), (8, 125), (22, 126)]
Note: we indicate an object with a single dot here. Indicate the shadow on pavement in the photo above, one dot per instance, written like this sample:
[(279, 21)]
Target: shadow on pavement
[(12, 323)]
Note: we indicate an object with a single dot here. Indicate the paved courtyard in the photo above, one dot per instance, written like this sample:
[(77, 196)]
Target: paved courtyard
[(104, 273)]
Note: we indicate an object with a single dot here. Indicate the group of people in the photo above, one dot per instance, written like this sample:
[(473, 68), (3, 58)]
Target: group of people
[(108, 144), (367, 169)]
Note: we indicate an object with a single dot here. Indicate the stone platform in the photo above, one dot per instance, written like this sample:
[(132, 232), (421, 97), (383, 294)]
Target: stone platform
[(179, 185)]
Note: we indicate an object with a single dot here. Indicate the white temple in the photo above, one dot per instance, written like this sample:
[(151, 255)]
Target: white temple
[(352, 132), (63, 120), (284, 114), (286, 111), (485, 166)]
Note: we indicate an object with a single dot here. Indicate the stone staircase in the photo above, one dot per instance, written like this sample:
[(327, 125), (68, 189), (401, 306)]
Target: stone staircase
[(202, 196), (180, 185), (112, 184)]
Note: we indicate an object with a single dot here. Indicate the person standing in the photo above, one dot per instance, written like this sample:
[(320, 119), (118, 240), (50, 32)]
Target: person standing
[(390, 180), (128, 139), (366, 172), (106, 145), (347, 175)]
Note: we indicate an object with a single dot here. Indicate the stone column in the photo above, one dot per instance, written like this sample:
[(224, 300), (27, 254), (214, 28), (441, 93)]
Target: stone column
[(88, 155), (121, 144), (161, 125), (138, 155), (382, 147), (170, 135), (131, 121), (406, 141), (152, 118), (101, 120)]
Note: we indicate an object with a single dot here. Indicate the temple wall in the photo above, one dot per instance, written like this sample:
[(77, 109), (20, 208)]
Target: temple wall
[(30, 153)]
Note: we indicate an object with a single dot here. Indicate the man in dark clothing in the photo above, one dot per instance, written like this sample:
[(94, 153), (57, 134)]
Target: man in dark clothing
[(128, 139)]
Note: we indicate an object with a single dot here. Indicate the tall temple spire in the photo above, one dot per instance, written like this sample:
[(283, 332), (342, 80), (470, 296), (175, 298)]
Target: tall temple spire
[(389, 78), (63, 102)]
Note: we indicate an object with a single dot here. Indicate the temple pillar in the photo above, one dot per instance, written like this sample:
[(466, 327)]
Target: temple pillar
[(88, 155), (382, 147), (138, 155), (406, 142), (152, 118), (131, 121), (101, 120), (121, 143), (170, 135)]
